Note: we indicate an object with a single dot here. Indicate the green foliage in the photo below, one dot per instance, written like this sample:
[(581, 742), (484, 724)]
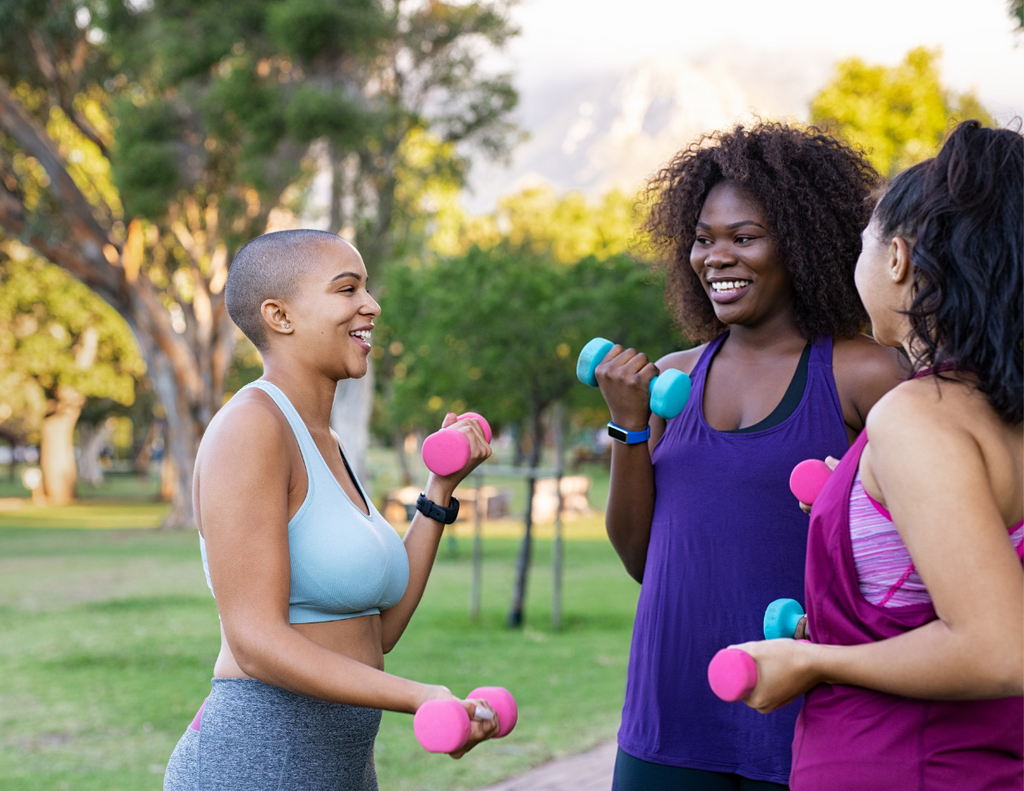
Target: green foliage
[(315, 113), (55, 333), (537, 221), (498, 331), (314, 29), (147, 171), (898, 116)]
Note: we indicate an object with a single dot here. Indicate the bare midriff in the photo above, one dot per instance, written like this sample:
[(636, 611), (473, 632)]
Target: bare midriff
[(357, 638)]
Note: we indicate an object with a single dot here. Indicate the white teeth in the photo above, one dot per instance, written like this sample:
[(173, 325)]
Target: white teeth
[(363, 335), (729, 285)]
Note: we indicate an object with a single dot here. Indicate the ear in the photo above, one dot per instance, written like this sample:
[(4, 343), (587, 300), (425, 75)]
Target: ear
[(899, 260), (275, 314)]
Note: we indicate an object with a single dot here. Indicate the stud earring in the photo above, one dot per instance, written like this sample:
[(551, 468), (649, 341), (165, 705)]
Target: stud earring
[(287, 326)]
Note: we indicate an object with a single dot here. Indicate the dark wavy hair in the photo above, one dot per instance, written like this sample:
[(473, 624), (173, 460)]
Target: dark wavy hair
[(963, 214), (815, 192)]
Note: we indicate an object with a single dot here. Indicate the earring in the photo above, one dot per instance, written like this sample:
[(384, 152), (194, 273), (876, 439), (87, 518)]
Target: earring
[(287, 326)]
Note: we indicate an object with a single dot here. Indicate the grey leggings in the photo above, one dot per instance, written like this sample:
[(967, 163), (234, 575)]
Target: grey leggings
[(261, 738)]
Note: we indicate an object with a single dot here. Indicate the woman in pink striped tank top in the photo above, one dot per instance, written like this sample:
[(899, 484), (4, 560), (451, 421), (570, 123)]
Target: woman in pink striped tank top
[(914, 583)]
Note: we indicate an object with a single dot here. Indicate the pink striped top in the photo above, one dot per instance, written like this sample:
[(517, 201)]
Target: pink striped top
[(885, 571)]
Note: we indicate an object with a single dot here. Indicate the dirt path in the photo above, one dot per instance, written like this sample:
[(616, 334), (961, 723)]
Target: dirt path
[(590, 771)]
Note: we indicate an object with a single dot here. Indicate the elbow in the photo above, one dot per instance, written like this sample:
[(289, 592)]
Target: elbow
[(1006, 674)]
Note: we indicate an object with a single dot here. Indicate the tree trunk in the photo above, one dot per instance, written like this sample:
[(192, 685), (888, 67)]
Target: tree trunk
[(516, 611), (57, 447), (187, 364), (350, 419), (93, 440)]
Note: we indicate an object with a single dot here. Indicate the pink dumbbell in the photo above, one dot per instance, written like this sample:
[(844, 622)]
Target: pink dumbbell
[(442, 726), (447, 451), (807, 480), (732, 674)]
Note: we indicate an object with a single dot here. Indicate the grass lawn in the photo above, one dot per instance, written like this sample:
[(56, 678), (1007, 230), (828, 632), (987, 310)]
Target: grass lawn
[(109, 638)]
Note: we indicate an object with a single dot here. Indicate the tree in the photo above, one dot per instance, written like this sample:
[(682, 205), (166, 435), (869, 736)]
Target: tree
[(898, 115), (78, 113), (423, 105), (499, 330), (200, 114), (59, 344)]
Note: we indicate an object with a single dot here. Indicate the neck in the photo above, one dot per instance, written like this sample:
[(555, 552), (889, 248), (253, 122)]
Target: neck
[(778, 334), (311, 393)]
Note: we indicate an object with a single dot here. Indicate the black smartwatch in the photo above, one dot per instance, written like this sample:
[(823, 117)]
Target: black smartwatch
[(438, 513)]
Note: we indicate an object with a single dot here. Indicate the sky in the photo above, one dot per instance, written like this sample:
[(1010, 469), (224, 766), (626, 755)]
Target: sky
[(566, 38), (769, 58)]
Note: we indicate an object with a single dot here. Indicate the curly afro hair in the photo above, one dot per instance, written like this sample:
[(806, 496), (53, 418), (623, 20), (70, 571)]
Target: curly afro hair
[(816, 193)]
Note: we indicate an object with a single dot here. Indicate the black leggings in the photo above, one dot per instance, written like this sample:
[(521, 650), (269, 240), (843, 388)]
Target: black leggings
[(632, 774)]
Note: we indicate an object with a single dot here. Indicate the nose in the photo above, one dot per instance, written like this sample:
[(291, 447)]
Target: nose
[(370, 307), (719, 255)]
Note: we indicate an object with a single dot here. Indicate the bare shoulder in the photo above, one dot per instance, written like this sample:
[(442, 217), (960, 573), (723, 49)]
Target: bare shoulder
[(864, 371), (685, 360), (250, 426), (927, 415), (861, 356)]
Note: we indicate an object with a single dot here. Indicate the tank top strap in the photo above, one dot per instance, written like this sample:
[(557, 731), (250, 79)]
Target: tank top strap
[(307, 446), (700, 370)]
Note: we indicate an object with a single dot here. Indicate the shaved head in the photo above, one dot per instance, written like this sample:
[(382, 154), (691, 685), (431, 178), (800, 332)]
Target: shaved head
[(270, 267)]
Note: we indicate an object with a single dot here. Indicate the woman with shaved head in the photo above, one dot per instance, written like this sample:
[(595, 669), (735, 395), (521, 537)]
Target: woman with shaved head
[(313, 587)]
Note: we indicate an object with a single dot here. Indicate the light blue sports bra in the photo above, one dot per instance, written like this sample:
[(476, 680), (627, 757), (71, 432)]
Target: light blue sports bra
[(344, 564)]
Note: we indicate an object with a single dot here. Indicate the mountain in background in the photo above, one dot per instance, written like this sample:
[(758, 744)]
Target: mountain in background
[(597, 132)]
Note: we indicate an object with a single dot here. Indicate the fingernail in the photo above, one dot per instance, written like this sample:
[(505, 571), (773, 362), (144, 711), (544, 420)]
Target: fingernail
[(483, 714)]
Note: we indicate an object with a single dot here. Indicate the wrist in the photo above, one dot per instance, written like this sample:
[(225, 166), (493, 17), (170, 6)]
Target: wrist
[(439, 491), (631, 422)]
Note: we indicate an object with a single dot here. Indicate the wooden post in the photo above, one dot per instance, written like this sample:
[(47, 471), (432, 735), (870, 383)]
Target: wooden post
[(556, 558), (478, 550)]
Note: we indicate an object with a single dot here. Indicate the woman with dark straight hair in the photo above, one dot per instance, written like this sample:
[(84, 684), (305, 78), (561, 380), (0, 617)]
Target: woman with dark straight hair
[(915, 590)]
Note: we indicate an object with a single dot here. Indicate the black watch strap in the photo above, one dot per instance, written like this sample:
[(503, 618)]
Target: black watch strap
[(436, 512)]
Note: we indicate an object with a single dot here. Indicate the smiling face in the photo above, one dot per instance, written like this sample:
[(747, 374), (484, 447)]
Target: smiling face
[(735, 257), (332, 314)]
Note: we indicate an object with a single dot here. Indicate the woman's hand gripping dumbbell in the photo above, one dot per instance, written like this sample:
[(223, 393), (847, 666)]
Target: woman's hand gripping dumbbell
[(443, 726), (668, 391), (732, 672), (449, 450), (809, 478)]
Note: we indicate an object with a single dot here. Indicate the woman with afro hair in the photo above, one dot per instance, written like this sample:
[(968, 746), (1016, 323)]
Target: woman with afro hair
[(759, 229)]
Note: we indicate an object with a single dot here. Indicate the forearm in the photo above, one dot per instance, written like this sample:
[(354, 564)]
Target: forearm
[(630, 507), (421, 542), (931, 662), (281, 656)]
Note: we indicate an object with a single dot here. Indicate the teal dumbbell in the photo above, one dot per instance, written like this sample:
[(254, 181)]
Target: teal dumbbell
[(781, 618), (669, 392)]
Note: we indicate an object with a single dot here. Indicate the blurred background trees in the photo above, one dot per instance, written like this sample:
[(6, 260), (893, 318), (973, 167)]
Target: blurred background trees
[(59, 346), (898, 115), (141, 144)]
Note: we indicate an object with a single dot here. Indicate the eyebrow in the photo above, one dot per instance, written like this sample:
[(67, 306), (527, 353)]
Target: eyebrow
[(734, 225), (343, 275)]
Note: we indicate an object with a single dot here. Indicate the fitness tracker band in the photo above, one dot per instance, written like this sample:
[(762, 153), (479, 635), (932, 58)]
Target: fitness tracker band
[(628, 437), (438, 513)]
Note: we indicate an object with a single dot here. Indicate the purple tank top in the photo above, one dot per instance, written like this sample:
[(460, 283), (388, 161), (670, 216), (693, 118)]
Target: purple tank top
[(850, 738), (727, 538)]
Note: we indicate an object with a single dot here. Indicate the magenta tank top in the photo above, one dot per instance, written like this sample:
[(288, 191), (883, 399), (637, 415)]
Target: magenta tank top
[(850, 738), (727, 538)]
